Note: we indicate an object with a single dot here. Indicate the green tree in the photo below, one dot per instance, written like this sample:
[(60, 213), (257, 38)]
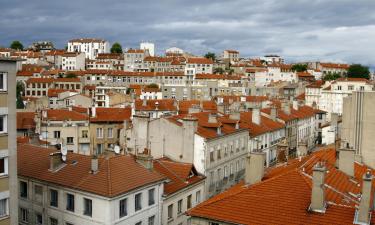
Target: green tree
[(331, 76), (116, 48), (358, 71), (299, 67), (210, 55), (152, 85), (20, 89), (218, 70), (70, 75), (17, 45)]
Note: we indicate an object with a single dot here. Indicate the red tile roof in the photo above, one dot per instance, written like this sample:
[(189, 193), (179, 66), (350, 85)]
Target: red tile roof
[(217, 76), (283, 197), (181, 175), (65, 114), (156, 104), (25, 120), (335, 65), (316, 84), (116, 175), (40, 80), (52, 92), (184, 105), (112, 115), (266, 124), (199, 61)]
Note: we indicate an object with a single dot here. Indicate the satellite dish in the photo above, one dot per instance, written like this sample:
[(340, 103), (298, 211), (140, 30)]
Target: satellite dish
[(63, 157), (117, 149), (64, 151)]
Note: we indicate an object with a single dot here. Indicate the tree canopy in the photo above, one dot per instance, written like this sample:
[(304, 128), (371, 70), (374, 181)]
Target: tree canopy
[(331, 76), (17, 45), (116, 48), (218, 70), (210, 55), (358, 71), (299, 67), (153, 85)]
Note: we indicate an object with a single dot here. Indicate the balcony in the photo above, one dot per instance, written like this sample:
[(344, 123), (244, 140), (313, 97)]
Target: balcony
[(82, 140)]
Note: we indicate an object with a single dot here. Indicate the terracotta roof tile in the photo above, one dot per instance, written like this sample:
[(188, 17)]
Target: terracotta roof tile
[(25, 120), (112, 115)]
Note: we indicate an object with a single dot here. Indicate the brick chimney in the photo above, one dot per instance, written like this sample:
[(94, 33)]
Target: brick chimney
[(145, 159), (363, 213), (318, 199), (254, 170), (346, 161)]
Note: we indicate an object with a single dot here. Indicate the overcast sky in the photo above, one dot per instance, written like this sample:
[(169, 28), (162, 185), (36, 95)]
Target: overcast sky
[(337, 30)]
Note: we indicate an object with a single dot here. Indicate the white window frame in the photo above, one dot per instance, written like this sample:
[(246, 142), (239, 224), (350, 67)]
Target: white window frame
[(5, 81), (5, 123)]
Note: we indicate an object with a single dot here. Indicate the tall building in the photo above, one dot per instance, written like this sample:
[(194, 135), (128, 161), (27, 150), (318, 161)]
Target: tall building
[(90, 46), (8, 145), (358, 125)]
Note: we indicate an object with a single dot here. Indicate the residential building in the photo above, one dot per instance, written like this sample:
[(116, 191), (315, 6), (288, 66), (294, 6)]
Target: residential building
[(184, 190), (90, 46), (200, 65), (8, 144), (79, 189), (133, 59), (73, 61), (231, 55)]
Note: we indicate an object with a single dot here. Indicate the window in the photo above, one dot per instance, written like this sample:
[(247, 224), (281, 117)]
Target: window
[(350, 87), (179, 206), (53, 194), (87, 204), (84, 134), (139, 223), (99, 149), (170, 211), (151, 196), (99, 132), (56, 134), (3, 207), (24, 215), (70, 202), (188, 202), (110, 132), (38, 193), (362, 88), (138, 201), (53, 221), (3, 166), (67, 223), (23, 189), (70, 140), (151, 220), (38, 218), (198, 197), (3, 123), (212, 156), (123, 205), (3, 81)]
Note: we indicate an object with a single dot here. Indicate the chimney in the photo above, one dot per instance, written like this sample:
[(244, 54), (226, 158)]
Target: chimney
[(235, 115), (218, 130), (273, 113), (144, 101), (346, 161), (56, 161), (145, 159), (286, 107), (363, 213), (302, 149), (93, 111), (255, 115), (212, 118), (94, 164), (254, 169), (318, 200), (295, 104)]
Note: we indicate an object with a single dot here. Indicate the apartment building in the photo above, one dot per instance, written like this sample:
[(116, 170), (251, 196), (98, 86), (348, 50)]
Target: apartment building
[(155, 108), (313, 92), (90, 46), (8, 145), (214, 143), (78, 189), (331, 99), (133, 59), (184, 190), (73, 61), (231, 55), (200, 65)]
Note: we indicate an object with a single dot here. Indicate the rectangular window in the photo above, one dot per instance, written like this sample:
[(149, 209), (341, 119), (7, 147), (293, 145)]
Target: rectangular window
[(70, 202), (56, 134), (151, 196), (170, 211), (3, 207), (3, 123), (24, 215), (110, 132), (70, 140), (87, 203), (23, 189), (179, 206), (188, 205), (3, 82), (99, 149), (123, 207), (139, 223), (99, 132), (38, 219), (54, 201), (151, 220), (138, 201), (84, 134), (38, 193), (198, 197), (53, 221)]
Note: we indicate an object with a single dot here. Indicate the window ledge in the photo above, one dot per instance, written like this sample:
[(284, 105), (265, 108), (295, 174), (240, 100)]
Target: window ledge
[(4, 217)]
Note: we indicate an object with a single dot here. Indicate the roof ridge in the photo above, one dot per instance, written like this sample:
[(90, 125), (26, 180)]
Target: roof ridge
[(179, 178)]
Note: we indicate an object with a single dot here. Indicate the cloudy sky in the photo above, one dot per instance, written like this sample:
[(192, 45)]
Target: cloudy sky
[(337, 30)]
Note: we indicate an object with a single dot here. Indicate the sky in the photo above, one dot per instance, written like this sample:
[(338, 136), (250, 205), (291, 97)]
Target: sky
[(298, 30)]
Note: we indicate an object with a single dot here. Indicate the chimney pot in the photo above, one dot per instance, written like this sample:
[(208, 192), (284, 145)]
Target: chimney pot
[(363, 214), (318, 201), (254, 169), (94, 164)]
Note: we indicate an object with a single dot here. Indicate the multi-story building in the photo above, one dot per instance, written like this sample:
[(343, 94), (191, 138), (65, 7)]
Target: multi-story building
[(79, 189), (8, 145), (133, 59), (73, 61), (313, 92), (90, 46), (200, 65), (184, 190), (331, 99), (231, 55), (38, 87)]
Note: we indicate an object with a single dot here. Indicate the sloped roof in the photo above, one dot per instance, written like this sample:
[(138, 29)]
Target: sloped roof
[(284, 195), (184, 105), (65, 114), (265, 125), (156, 104), (111, 114), (116, 175), (25, 120)]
